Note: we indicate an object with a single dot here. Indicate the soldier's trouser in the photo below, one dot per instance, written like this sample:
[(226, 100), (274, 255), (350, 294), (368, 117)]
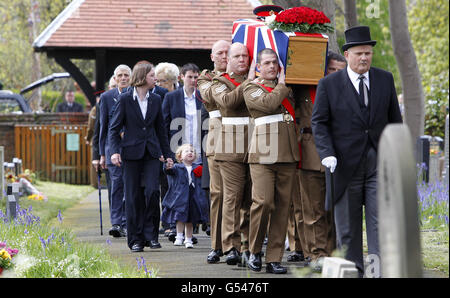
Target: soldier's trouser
[(295, 224), (235, 178), (317, 227), (216, 193), (272, 193)]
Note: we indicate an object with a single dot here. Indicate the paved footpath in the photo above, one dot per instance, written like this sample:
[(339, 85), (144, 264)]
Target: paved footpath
[(170, 261)]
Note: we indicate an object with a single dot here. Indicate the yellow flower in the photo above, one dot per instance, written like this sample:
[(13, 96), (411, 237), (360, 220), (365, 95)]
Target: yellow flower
[(4, 254), (31, 197), (430, 217)]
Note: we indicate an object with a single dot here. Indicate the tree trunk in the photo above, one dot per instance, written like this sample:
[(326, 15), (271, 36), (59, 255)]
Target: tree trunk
[(409, 71), (36, 95), (329, 8), (350, 13), (287, 3)]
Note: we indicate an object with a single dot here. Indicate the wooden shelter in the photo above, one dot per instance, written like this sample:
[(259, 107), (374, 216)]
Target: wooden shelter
[(114, 32)]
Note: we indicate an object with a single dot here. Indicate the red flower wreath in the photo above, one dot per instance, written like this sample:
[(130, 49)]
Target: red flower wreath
[(302, 19)]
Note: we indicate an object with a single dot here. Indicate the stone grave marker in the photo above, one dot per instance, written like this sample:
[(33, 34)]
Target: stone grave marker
[(423, 155), (399, 235), (445, 172), (2, 172), (334, 267), (11, 203), (434, 173)]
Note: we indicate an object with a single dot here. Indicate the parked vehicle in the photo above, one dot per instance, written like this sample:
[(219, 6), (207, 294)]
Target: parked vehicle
[(13, 103)]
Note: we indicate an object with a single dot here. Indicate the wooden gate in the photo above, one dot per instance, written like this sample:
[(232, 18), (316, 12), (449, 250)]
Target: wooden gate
[(55, 152)]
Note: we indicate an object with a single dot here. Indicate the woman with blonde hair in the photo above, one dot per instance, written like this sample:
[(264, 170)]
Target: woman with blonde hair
[(167, 75)]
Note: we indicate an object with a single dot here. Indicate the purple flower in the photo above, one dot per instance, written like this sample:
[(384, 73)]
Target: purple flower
[(44, 244), (60, 217)]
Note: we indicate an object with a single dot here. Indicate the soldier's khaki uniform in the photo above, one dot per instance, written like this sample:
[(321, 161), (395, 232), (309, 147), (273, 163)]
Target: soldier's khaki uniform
[(230, 154), (273, 157), (204, 83), (317, 224)]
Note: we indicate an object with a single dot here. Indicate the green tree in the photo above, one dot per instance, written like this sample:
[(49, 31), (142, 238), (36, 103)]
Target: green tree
[(19, 29), (429, 28)]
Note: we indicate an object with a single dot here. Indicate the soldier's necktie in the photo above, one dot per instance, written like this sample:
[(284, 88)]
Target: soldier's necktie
[(363, 95)]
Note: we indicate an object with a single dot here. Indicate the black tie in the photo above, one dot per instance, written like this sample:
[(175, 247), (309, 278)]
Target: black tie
[(363, 96)]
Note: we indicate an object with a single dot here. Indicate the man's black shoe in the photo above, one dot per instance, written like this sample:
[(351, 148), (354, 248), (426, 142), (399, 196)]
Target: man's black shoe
[(153, 244), (172, 235), (296, 256), (115, 231), (204, 226), (276, 268), (254, 262), (208, 231), (137, 248), (123, 232), (233, 257), (194, 240), (214, 256)]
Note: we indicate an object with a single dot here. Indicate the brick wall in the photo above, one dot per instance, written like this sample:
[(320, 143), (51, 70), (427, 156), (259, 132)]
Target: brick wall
[(7, 123)]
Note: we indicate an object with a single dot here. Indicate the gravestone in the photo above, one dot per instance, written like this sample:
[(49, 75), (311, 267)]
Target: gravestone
[(399, 235), (2, 172), (445, 172), (434, 171), (338, 268), (423, 155), (17, 166), (11, 205)]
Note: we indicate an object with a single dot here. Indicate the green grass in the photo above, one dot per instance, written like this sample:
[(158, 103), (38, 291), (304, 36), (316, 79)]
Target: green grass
[(48, 251), (60, 197)]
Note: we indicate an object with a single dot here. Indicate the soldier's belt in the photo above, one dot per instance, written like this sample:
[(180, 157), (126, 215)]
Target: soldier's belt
[(236, 120), (215, 114), (273, 118)]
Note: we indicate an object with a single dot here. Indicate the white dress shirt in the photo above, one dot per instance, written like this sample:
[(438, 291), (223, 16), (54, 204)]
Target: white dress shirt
[(354, 77), (191, 132), (143, 103)]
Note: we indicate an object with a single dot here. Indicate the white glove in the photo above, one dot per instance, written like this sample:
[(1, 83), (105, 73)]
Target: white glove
[(330, 162)]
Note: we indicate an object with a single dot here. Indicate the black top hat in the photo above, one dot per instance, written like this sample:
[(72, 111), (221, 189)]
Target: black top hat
[(357, 36), (264, 10)]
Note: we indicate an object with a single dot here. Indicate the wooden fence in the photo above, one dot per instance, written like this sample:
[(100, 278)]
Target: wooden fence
[(55, 152)]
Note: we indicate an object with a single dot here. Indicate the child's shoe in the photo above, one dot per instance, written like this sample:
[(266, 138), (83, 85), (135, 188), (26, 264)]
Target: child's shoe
[(188, 244), (178, 241)]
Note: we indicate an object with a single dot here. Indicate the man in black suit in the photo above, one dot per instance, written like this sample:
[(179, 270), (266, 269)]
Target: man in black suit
[(182, 111), (69, 106), (144, 144), (351, 109), (108, 101)]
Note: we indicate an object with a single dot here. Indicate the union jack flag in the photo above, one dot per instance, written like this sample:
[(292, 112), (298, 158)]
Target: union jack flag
[(257, 36)]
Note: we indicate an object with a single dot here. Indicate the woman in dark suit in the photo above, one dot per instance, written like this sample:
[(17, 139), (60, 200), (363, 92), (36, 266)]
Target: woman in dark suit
[(138, 114)]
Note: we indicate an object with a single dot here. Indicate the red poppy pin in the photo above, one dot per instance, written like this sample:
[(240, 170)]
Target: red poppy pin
[(198, 171)]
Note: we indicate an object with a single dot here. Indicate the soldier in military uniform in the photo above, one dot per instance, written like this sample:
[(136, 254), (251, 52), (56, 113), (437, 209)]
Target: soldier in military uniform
[(231, 151), (219, 53), (317, 223), (273, 158)]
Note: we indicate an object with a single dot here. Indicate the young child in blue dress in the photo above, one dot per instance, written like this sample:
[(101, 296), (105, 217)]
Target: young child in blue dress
[(185, 202)]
